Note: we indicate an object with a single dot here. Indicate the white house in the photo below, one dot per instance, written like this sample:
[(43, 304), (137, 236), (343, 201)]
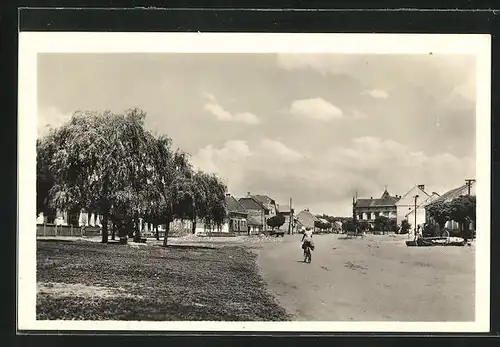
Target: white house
[(406, 205), (420, 211)]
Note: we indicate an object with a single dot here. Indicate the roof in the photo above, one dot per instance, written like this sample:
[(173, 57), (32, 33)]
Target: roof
[(251, 203), (454, 193), (390, 201), (386, 200), (306, 218), (412, 188), (285, 208), (233, 205), (264, 199)]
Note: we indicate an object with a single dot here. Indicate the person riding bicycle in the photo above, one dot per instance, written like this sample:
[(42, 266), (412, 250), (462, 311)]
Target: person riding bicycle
[(307, 238)]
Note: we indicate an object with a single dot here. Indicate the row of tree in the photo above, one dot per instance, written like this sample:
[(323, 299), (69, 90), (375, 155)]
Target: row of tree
[(461, 209), (110, 164)]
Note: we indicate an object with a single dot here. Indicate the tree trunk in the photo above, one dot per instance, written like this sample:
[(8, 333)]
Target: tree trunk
[(157, 232), (167, 230), (137, 231), (113, 232), (193, 225), (105, 218), (465, 231)]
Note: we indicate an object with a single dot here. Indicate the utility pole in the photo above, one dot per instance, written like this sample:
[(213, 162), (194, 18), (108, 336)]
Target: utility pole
[(415, 211), (354, 219), (469, 184), (290, 218)]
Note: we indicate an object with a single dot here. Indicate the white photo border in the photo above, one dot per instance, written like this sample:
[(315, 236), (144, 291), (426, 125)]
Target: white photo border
[(33, 43)]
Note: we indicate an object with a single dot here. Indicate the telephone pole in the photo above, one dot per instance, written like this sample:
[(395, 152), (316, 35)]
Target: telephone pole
[(415, 211), (290, 218), (469, 184)]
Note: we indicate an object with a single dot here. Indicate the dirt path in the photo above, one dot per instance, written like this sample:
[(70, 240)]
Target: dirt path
[(371, 279)]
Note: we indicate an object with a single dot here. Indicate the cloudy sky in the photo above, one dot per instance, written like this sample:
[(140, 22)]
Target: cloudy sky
[(316, 128)]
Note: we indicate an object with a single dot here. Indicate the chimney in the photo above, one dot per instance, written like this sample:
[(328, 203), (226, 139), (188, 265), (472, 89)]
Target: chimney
[(371, 197), (228, 194), (248, 193), (421, 186)]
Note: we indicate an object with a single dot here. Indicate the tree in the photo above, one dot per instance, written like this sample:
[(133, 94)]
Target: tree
[(382, 223), (462, 209), (405, 226), (348, 225), (44, 178), (101, 162), (322, 225), (441, 212), (276, 221), (364, 226)]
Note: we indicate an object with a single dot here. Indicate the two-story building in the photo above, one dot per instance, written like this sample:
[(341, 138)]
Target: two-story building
[(259, 209), (367, 210)]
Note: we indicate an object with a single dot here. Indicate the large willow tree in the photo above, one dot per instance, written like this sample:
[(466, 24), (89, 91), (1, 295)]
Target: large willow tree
[(100, 161)]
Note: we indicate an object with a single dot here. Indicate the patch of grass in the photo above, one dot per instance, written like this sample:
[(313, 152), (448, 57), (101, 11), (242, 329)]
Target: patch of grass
[(173, 283)]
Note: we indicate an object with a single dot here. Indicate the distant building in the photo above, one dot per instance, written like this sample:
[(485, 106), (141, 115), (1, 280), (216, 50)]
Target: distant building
[(305, 219), (406, 205), (367, 210), (286, 212), (235, 221), (259, 209)]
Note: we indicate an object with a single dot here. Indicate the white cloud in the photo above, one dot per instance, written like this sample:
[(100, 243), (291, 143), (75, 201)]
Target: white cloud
[(50, 118), (223, 115), (315, 108), (356, 114), (326, 182), (281, 150), (376, 93), (246, 117), (386, 162)]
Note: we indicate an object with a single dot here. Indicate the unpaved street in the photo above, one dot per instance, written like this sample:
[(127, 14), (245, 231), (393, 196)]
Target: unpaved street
[(376, 278)]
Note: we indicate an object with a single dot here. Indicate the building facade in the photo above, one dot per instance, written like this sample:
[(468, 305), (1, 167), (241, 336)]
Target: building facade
[(367, 210), (305, 219), (259, 209)]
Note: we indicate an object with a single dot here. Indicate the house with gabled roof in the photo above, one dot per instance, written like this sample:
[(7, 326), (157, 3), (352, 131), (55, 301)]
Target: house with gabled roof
[(259, 208), (305, 219), (420, 211), (368, 209), (406, 205), (466, 189)]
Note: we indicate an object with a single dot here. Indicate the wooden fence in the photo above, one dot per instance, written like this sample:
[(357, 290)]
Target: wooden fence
[(66, 230)]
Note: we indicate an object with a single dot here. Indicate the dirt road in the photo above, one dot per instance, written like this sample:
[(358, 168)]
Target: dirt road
[(373, 279)]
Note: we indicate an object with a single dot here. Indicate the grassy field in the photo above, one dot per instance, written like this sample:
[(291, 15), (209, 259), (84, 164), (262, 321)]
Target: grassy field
[(93, 281)]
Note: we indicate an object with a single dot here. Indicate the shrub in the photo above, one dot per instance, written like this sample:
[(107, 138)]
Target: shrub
[(276, 221), (405, 227)]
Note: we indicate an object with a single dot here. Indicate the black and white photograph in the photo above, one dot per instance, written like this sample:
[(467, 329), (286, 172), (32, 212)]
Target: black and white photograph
[(225, 181)]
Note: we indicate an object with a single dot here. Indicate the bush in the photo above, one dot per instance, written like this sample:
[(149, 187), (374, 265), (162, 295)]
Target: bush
[(430, 230), (276, 221), (405, 227)]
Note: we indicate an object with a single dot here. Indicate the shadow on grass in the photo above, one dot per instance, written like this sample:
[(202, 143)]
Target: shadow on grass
[(190, 247), (54, 240)]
